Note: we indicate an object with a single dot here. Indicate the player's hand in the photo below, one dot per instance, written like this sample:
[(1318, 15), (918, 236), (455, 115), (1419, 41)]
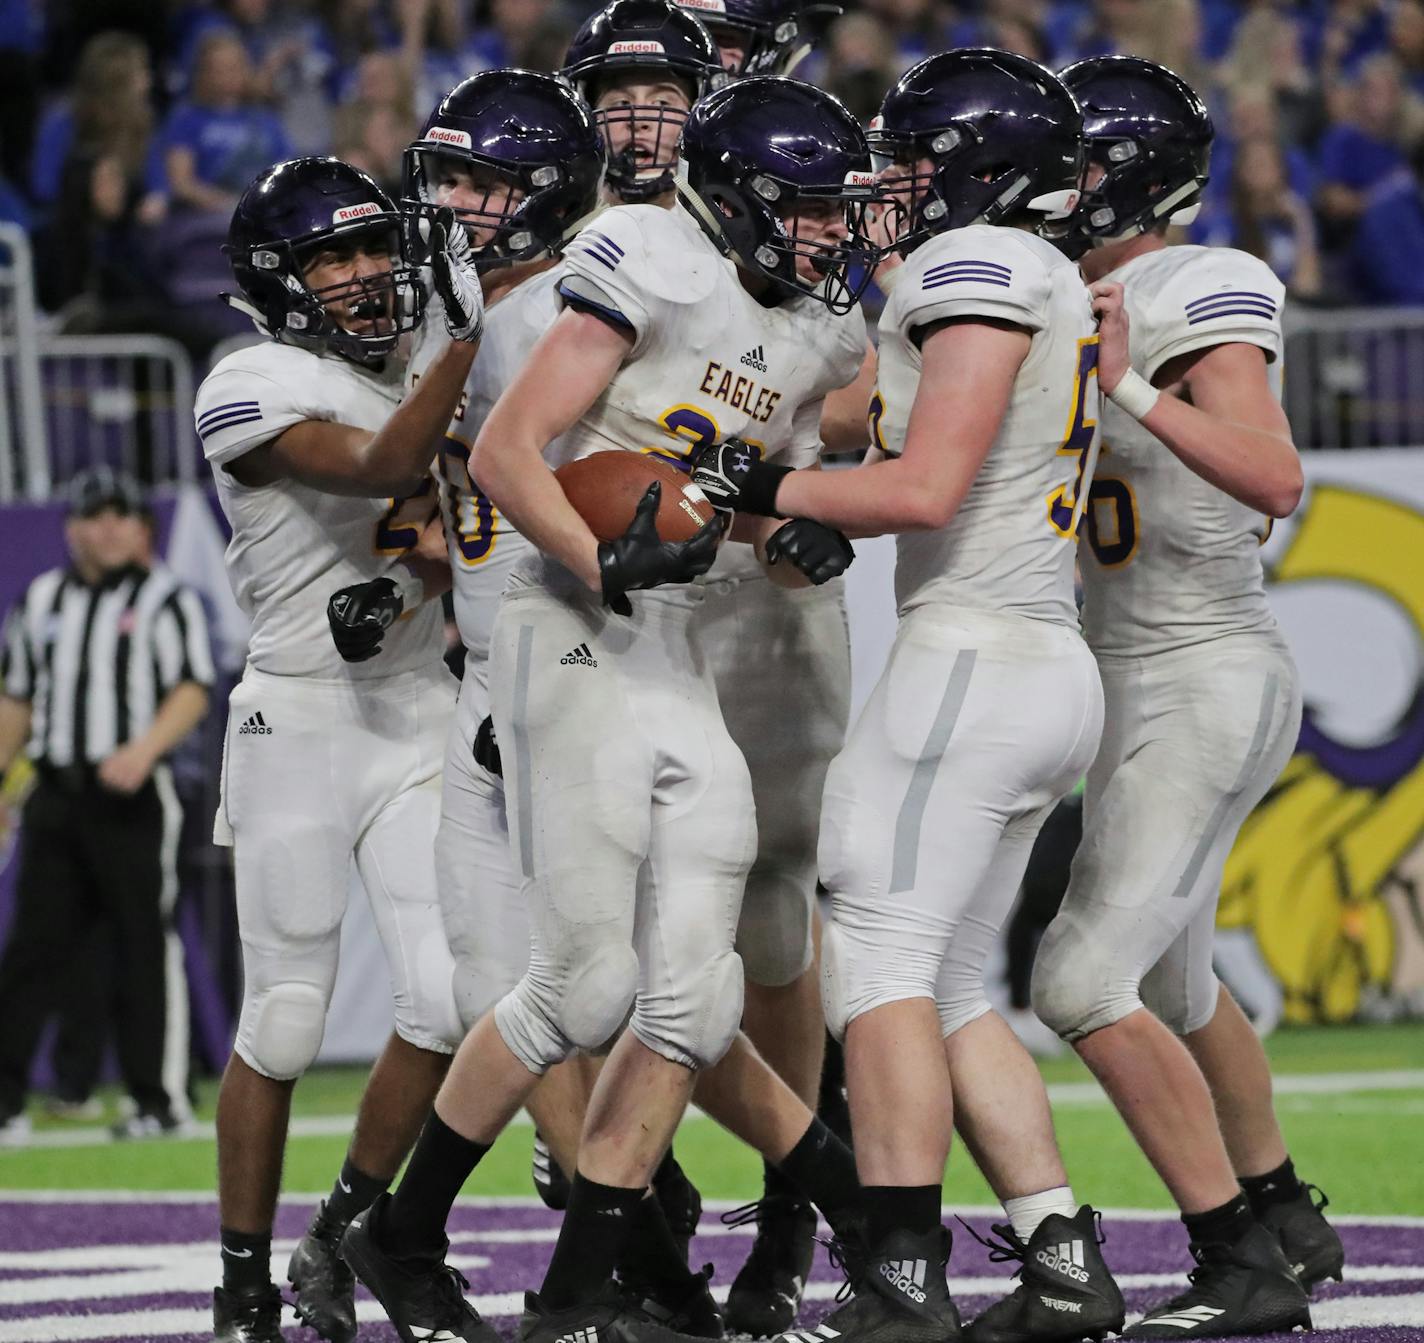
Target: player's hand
[(818, 551), (735, 479), (486, 749), (126, 770), (360, 615), (452, 267), (641, 559), (1113, 361)]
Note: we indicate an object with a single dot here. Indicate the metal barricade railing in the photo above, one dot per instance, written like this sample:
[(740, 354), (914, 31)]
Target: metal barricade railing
[(124, 400), (24, 459), (1354, 377)]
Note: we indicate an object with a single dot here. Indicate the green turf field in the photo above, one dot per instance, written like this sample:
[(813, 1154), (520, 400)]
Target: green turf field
[(1358, 1137)]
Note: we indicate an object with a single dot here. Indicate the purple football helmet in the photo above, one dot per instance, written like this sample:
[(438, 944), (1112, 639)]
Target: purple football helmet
[(1150, 133), (529, 141), (287, 217), (1002, 136), (751, 153), (655, 39), (772, 35)]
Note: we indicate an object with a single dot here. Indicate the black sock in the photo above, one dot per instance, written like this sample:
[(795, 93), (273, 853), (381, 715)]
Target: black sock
[(246, 1259), (776, 1185), (1220, 1226), (650, 1256), (899, 1207), (822, 1167), (596, 1228), (1275, 1186), (353, 1192), (414, 1220)]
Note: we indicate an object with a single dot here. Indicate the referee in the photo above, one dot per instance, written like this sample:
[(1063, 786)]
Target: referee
[(105, 669)]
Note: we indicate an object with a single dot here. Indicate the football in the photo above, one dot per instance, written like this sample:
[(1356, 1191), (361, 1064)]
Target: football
[(605, 489)]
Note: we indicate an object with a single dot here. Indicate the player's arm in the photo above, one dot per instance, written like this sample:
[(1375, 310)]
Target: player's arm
[(566, 372), (1232, 432), (843, 425), (341, 459), (968, 367)]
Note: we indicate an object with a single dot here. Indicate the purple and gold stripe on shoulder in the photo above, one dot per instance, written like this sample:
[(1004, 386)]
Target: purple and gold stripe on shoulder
[(965, 272), (600, 247), (1231, 303), (227, 415)]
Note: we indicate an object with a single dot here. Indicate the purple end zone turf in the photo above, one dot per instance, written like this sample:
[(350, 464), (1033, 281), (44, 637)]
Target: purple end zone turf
[(134, 1270)]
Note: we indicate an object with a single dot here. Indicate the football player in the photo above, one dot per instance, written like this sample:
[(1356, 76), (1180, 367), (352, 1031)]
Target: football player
[(321, 471), (781, 658), (628, 769), (763, 37), (1202, 705), (989, 707)]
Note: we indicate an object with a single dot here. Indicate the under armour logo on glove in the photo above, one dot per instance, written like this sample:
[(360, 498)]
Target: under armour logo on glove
[(732, 475)]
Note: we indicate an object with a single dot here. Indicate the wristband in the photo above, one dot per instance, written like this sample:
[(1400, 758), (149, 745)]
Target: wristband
[(757, 492), (1134, 394), (410, 588)]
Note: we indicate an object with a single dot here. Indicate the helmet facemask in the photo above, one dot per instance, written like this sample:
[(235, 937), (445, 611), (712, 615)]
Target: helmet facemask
[(641, 136), (1118, 205)]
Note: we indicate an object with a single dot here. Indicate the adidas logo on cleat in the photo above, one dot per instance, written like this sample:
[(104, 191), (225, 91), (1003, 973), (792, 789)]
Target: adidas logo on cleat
[(255, 726), (907, 1276), (755, 358), (579, 1336), (579, 657), (1065, 1258), (1188, 1318), (1057, 1303)]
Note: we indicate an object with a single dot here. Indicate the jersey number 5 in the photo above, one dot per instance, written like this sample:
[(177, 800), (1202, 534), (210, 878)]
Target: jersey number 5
[(1065, 504)]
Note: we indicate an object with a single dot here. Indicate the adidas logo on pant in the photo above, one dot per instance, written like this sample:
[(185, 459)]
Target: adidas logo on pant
[(255, 726), (1065, 1258), (907, 1276), (579, 657)]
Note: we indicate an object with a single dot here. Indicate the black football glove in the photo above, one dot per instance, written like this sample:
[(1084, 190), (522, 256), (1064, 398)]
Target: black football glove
[(641, 559), (735, 479), (360, 615), (486, 750), (818, 551)]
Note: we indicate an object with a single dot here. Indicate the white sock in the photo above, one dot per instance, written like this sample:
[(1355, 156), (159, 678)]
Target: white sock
[(1027, 1212)]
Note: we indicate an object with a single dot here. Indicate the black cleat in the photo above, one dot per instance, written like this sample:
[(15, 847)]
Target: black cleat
[(420, 1295), (766, 1293), (324, 1286), (550, 1182), (249, 1315), (682, 1204), (688, 1310), (1245, 1288), (1311, 1245), (1065, 1290), (606, 1318), (899, 1294)]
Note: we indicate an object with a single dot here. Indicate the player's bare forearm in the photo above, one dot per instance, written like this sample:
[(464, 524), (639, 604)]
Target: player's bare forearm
[(843, 422), (567, 371), (14, 729), (1234, 432), (967, 376), (182, 709), (341, 459)]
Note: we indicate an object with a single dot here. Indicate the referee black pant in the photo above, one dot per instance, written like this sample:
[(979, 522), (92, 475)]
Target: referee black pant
[(87, 855)]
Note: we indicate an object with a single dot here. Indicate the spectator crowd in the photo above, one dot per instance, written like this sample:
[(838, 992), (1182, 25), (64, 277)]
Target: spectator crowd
[(128, 127)]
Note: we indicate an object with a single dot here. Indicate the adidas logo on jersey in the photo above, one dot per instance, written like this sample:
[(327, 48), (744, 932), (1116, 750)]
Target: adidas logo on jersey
[(1065, 1258), (255, 726), (579, 656), (755, 358), (589, 1335), (1057, 1303), (907, 1276)]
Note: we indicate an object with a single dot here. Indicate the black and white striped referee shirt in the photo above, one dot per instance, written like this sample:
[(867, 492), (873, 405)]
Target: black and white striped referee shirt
[(95, 662)]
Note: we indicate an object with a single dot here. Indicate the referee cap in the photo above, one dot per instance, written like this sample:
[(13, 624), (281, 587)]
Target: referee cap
[(100, 487)]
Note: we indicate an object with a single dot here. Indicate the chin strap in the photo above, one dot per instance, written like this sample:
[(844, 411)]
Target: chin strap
[(243, 306)]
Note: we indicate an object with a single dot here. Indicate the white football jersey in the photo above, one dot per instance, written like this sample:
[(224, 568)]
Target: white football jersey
[(293, 546), (1170, 560), (1010, 546)]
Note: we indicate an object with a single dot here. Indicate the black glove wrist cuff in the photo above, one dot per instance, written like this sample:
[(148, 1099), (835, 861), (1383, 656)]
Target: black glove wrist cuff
[(757, 491), (613, 594)]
